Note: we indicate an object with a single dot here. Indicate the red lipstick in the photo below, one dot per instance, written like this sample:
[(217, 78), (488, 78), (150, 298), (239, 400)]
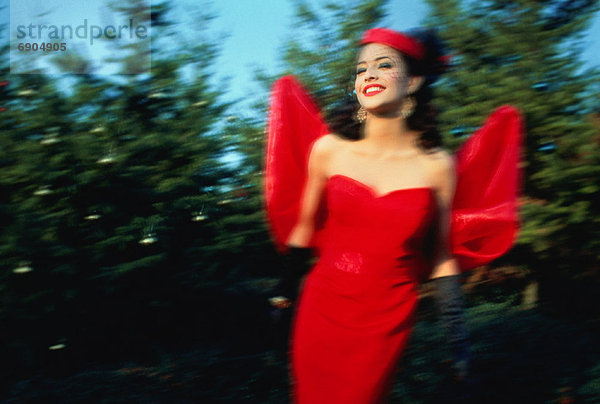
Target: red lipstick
[(379, 87)]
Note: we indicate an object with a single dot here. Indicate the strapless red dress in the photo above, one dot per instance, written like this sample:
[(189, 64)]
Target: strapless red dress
[(356, 310), (357, 306)]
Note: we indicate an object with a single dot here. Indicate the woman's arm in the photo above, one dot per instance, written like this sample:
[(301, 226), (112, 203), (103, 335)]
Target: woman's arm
[(446, 273), (302, 232), (444, 176), (296, 261)]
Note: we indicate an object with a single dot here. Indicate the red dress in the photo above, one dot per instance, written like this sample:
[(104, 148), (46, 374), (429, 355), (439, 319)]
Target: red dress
[(356, 310), (357, 307)]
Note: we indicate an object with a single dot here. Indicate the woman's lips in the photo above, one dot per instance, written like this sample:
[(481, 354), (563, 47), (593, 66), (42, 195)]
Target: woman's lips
[(374, 90)]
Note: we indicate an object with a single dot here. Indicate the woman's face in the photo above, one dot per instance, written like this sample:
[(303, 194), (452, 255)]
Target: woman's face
[(382, 79)]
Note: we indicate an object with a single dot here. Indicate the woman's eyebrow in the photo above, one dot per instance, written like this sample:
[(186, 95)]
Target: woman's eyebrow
[(378, 58)]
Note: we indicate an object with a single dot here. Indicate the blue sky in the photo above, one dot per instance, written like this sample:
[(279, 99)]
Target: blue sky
[(257, 30)]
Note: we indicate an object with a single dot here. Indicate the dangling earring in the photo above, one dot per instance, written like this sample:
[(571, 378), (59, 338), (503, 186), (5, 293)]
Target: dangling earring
[(408, 107), (361, 114)]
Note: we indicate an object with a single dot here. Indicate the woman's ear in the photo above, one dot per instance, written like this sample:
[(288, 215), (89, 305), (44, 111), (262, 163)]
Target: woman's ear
[(414, 83)]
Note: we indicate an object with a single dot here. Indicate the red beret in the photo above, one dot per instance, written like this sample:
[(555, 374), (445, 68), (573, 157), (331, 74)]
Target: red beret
[(396, 40)]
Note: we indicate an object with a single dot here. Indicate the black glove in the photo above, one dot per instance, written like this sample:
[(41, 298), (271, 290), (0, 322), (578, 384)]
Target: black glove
[(450, 302), (295, 264)]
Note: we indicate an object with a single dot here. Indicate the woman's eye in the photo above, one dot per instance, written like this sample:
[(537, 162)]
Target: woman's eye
[(385, 66), (360, 70)]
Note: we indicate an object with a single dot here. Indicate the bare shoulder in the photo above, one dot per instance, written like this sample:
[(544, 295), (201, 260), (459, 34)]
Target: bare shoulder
[(441, 171), (327, 145), (440, 162), (322, 152), (328, 141)]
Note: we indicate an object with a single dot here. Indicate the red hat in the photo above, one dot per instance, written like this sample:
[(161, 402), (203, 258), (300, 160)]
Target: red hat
[(396, 40)]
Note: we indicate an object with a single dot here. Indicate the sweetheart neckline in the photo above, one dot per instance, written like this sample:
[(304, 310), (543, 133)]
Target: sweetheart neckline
[(373, 192)]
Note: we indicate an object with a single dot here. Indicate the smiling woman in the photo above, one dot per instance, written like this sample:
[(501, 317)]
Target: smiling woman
[(375, 232), (387, 200), (382, 69)]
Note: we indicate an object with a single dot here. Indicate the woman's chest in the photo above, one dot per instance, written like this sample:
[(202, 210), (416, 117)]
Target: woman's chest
[(351, 203), (382, 175)]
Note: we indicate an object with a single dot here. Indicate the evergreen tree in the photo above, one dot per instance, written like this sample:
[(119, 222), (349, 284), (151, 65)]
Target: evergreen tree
[(115, 199), (35, 186), (526, 53)]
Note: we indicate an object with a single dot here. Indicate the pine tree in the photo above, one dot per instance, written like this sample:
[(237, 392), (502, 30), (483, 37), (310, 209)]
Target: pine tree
[(526, 53), (114, 198)]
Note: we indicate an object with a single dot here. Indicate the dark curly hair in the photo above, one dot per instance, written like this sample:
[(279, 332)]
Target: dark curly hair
[(424, 119)]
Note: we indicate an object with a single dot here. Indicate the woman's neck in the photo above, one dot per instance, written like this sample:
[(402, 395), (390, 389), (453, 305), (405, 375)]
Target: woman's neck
[(389, 134)]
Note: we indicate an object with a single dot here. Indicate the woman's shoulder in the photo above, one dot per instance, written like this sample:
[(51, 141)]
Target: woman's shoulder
[(328, 144), (324, 150), (439, 161)]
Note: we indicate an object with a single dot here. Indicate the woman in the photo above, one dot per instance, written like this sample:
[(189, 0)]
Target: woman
[(384, 193)]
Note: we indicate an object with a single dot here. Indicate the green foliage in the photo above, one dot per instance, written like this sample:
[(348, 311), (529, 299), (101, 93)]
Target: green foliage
[(116, 198)]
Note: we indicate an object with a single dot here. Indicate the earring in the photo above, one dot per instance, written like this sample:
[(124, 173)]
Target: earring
[(361, 115), (408, 107)]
